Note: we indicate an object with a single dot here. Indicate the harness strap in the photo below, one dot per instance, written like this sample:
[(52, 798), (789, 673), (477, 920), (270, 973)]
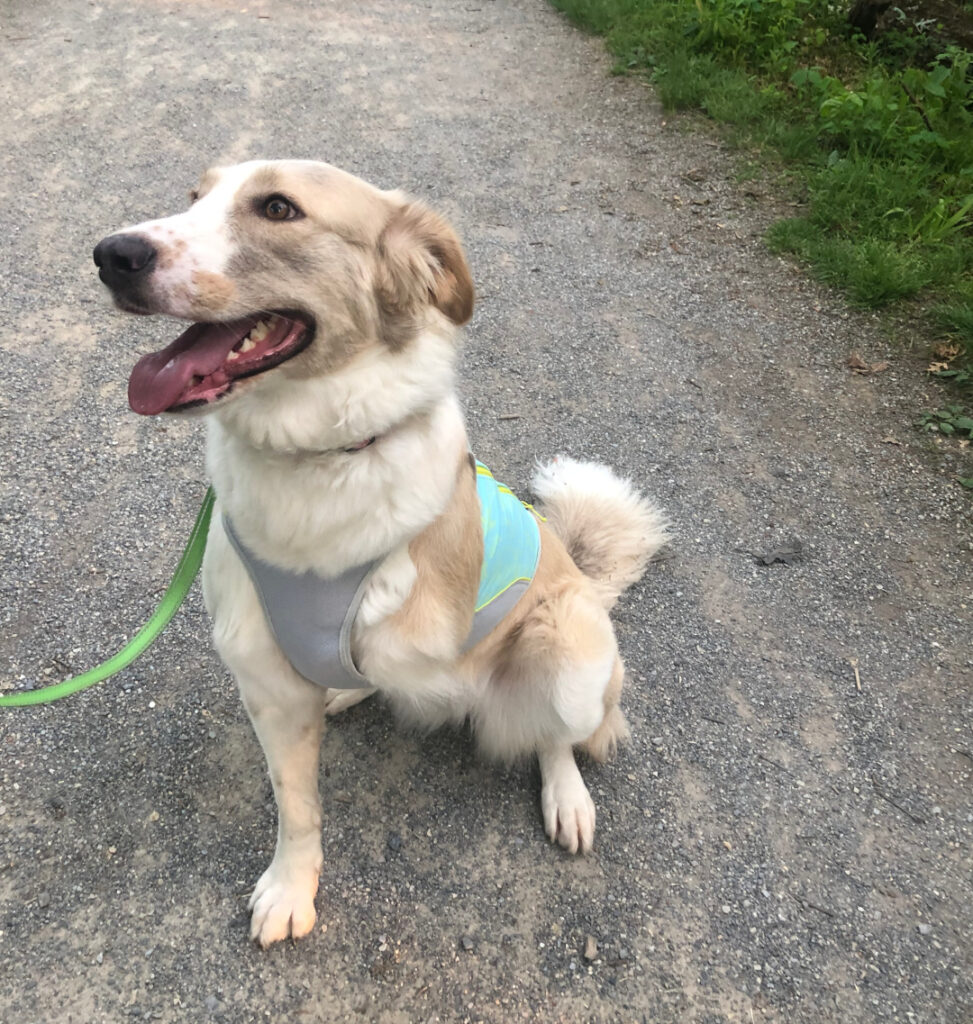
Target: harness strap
[(310, 616)]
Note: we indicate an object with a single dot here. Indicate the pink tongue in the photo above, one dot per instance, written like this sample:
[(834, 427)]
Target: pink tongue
[(158, 379)]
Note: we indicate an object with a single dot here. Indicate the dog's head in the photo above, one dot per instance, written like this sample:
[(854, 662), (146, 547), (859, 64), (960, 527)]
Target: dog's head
[(288, 269)]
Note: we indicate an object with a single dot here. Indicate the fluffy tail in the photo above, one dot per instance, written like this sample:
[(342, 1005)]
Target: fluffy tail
[(609, 529)]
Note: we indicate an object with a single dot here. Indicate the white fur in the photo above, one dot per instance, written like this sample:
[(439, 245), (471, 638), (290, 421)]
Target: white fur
[(200, 238), (608, 527), (331, 511), (569, 811)]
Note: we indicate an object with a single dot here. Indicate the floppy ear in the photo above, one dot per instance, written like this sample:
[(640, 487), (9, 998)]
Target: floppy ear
[(421, 261)]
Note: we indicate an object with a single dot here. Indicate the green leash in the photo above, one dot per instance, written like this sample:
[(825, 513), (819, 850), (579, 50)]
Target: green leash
[(176, 592)]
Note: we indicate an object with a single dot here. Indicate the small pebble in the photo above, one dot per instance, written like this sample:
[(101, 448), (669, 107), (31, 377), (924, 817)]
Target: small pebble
[(590, 947), (394, 841), (44, 900), (467, 943), (924, 929)]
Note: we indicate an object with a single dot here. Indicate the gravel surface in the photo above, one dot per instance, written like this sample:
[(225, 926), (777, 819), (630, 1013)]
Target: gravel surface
[(778, 842)]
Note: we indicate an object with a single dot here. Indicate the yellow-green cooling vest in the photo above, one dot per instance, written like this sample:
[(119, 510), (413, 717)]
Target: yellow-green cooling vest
[(311, 616)]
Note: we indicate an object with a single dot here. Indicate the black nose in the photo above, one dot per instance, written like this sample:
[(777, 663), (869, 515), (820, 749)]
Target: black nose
[(123, 259)]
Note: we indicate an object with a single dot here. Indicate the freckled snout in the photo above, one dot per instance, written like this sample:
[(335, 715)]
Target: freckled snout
[(124, 262)]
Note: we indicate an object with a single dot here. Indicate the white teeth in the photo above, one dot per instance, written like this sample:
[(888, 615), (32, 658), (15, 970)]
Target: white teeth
[(258, 333)]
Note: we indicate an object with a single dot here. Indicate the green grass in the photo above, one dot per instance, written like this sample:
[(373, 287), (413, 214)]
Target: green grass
[(878, 137)]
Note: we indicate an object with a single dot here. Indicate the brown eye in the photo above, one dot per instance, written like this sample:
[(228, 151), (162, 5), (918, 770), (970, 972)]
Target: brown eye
[(278, 208)]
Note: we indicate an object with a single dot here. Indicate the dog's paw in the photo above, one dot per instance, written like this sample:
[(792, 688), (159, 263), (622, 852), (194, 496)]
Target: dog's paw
[(569, 813), (282, 903), (336, 701)]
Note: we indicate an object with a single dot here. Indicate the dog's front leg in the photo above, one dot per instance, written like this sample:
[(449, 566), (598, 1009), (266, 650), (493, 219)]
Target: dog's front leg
[(569, 812), (288, 717)]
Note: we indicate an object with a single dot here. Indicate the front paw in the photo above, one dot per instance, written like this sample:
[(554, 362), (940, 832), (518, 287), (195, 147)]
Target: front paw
[(569, 813), (283, 902)]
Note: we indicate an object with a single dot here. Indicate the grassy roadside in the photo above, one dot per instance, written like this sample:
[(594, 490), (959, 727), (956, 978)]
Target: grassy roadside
[(877, 136)]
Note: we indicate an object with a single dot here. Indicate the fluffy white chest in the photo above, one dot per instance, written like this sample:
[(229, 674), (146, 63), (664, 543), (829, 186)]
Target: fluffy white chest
[(329, 512)]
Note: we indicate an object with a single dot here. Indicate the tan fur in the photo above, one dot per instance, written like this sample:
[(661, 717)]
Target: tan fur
[(609, 529), (422, 262), (447, 556), (531, 622), (213, 291)]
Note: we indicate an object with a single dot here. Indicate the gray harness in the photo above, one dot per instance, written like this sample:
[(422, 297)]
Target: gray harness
[(311, 616)]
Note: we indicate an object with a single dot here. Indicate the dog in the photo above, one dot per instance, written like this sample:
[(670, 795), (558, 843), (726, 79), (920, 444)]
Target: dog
[(325, 318)]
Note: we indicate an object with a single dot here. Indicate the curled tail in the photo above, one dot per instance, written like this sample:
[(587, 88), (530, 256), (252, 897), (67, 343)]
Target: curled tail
[(608, 528)]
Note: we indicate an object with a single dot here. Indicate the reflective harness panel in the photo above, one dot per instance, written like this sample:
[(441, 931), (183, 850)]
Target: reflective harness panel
[(311, 616)]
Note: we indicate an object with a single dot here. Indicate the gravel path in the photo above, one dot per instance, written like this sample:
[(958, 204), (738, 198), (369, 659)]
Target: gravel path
[(777, 843)]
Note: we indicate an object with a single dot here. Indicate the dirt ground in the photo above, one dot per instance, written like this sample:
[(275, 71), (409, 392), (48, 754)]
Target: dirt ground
[(787, 836)]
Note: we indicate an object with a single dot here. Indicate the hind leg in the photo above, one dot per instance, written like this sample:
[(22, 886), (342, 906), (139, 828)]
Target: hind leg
[(603, 742)]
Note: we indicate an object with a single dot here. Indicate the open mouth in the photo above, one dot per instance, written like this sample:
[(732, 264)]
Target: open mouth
[(203, 363)]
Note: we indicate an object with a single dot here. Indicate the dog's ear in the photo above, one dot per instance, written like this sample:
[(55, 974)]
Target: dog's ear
[(421, 261)]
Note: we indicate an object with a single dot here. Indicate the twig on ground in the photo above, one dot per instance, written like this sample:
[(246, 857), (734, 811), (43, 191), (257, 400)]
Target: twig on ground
[(802, 901), (509, 416), (913, 817), (776, 764), (858, 679)]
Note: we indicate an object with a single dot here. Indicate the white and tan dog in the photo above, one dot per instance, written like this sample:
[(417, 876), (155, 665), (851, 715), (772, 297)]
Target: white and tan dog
[(324, 338)]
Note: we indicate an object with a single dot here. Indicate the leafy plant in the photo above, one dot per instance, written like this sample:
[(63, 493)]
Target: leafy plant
[(949, 421)]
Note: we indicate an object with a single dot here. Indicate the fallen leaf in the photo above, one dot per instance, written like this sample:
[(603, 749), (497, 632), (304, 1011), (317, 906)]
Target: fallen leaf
[(936, 367), (856, 363), (946, 350)]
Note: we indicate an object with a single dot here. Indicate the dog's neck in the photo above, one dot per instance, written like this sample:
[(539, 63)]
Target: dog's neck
[(299, 499), (320, 454), (329, 510)]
